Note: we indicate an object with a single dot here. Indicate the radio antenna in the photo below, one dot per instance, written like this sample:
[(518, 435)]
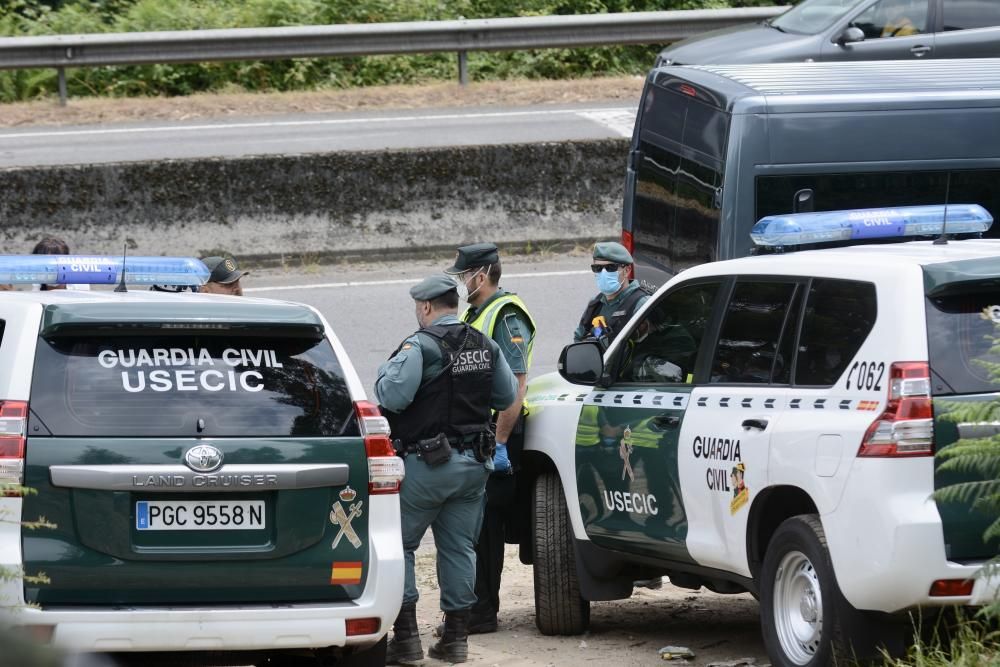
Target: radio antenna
[(121, 283), (943, 239)]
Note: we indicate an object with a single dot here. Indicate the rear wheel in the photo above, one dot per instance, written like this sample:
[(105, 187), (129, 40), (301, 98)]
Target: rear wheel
[(559, 607), (803, 614)]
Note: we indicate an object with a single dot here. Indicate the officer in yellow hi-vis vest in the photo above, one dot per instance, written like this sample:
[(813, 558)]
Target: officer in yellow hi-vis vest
[(502, 316)]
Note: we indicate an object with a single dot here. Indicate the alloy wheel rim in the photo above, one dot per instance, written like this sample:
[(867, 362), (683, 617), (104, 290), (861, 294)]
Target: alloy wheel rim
[(798, 608)]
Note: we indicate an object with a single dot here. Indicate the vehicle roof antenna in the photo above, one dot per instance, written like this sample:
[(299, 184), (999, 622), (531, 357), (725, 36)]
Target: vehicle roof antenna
[(121, 283), (943, 239)]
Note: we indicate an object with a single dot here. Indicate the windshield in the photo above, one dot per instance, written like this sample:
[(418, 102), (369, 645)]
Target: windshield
[(810, 17)]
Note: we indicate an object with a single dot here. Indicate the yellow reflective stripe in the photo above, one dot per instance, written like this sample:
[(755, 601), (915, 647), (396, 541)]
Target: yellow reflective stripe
[(486, 322)]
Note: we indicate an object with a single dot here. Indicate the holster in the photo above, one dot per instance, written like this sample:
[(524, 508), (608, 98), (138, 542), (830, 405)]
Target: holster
[(484, 445)]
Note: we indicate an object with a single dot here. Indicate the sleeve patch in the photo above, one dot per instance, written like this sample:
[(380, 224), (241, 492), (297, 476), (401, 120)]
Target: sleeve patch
[(517, 339)]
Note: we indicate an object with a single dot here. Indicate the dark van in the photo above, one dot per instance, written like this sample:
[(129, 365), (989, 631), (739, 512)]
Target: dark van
[(716, 148)]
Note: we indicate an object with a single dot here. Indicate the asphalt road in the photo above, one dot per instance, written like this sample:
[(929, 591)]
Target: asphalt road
[(312, 133), (370, 309)]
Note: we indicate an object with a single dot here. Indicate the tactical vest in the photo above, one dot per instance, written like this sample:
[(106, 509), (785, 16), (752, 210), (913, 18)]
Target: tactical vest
[(456, 401), (615, 323), (486, 320)]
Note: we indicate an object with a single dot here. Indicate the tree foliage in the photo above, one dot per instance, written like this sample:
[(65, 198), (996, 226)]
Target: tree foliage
[(53, 17)]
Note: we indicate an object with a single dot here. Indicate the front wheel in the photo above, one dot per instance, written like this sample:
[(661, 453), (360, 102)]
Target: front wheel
[(559, 607), (803, 614)]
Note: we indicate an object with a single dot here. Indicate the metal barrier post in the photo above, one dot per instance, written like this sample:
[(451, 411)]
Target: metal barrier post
[(62, 86), (463, 68)]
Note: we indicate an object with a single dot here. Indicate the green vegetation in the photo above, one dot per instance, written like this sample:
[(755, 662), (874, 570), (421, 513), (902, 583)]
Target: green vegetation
[(39, 17), (966, 642)]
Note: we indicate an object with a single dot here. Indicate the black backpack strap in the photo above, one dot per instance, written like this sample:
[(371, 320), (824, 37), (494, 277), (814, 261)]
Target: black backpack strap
[(589, 313)]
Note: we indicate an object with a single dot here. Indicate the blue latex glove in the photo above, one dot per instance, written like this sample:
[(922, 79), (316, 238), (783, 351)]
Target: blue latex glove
[(500, 461)]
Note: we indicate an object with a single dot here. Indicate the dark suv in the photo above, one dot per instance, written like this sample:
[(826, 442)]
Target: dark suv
[(816, 30)]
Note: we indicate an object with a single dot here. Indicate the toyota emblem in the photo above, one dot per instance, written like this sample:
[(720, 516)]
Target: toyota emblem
[(203, 458)]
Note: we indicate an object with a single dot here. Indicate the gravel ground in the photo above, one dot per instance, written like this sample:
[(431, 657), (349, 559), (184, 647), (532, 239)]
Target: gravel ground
[(624, 633)]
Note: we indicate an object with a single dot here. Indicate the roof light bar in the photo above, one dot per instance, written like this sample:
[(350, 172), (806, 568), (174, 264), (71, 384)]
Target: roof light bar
[(97, 270), (869, 223)]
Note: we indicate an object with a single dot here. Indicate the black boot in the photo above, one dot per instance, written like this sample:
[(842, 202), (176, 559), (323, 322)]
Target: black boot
[(454, 643), (405, 645)]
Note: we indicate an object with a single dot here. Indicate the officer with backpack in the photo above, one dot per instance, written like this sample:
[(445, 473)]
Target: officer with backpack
[(437, 391), (608, 312)]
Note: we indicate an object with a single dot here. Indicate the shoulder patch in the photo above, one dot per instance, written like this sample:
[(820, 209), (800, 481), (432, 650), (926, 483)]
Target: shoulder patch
[(406, 346)]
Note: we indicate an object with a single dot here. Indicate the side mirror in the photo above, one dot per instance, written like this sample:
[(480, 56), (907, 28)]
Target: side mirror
[(851, 35), (582, 363)]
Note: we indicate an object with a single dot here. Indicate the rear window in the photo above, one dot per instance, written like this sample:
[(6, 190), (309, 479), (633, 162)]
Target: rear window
[(184, 385), (963, 332)]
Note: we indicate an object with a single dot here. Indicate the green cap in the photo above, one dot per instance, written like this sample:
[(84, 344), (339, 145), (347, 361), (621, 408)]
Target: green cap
[(473, 256), (432, 287), (223, 270), (612, 252)]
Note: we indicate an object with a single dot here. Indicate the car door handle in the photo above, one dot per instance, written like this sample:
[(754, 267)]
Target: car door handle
[(667, 421), (759, 424), (920, 51)]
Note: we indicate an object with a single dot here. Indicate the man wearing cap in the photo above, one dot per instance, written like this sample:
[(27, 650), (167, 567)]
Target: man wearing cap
[(503, 317), (618, 298), (224, 277), (437, 390)]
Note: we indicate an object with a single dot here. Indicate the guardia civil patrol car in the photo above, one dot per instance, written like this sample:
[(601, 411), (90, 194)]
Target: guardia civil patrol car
[(210, 475), (769, 424)]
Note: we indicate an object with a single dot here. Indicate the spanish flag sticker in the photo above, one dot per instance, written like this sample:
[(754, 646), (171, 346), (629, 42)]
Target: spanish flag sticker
[(517, 339), (345, 574)]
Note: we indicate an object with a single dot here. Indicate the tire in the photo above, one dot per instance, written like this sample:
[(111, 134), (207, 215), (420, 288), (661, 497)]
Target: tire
[(559, 607), (806, 621)]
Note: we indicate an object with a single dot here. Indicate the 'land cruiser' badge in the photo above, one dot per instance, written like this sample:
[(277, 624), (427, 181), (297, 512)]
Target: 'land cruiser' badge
[(343, 518)]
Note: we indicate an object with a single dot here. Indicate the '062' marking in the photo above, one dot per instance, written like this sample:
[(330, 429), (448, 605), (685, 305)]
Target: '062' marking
[(867, 375)]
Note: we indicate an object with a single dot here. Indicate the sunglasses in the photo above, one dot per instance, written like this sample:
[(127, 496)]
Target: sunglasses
[(597, 268)]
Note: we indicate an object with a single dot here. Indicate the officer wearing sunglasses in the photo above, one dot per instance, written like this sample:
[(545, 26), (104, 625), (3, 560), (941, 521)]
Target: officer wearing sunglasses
[(609, 311)]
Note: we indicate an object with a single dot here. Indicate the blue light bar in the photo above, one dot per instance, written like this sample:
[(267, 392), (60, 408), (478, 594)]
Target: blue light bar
[(869, 223), (96, 270)]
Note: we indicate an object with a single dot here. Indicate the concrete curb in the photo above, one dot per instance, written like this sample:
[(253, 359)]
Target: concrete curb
[(323, 207)]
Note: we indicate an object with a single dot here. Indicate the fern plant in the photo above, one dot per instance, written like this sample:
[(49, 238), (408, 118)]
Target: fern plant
[(979, 459)]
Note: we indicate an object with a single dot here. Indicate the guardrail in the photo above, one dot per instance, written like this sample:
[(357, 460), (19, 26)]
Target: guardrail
[(502, 34)]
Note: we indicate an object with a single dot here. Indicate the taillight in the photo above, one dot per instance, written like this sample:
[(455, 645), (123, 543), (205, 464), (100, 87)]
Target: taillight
[(906, 428), (13, 421), (629, 244), (385, 469)]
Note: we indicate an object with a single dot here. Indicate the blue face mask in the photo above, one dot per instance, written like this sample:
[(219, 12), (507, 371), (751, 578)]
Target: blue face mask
[(607, 282)]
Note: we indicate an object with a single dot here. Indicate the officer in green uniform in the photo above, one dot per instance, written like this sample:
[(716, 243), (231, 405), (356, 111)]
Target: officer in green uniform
[(609, 311), (504, 317), (437, 391)]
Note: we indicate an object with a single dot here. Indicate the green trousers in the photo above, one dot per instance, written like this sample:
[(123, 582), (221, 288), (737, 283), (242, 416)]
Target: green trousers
[(448, 499)]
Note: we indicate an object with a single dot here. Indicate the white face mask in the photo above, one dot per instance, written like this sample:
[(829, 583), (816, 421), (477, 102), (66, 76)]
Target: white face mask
[(463, 288)]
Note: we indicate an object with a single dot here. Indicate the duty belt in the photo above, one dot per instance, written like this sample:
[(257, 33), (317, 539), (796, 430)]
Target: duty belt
[(458, 444)]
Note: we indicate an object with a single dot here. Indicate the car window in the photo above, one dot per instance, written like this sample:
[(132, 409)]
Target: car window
[(663, 347), (963, 339), (838, 318), (835, 192), (893, 18), (813, 16), (969, 14), (185, 385), (757, 314)]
